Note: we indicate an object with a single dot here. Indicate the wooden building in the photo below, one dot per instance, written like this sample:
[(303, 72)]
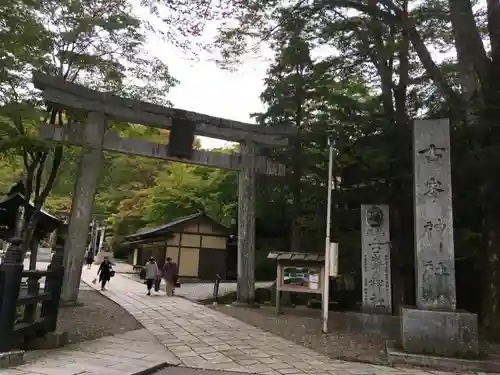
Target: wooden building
[(197, 243)]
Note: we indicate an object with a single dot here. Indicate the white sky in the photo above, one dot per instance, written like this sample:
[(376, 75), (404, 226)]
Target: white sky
[(205, 88)]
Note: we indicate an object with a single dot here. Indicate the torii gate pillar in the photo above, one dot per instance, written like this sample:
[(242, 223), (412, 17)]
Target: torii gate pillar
[(246, 224), (89, 169)]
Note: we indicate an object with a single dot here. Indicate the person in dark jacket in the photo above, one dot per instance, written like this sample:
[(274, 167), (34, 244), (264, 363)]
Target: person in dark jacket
[(89, 259), (170, 275), (104, 272)]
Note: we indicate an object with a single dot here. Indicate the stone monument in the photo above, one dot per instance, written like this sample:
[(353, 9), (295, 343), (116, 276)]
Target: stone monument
[(375, 257), (435, 327)]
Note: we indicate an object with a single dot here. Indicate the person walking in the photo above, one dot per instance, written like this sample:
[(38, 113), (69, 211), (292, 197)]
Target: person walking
[(170, 275), (89, 259), (152, 273), (104, 272)]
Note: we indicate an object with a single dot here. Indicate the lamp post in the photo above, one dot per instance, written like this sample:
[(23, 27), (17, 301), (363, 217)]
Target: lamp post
[(326, 281)]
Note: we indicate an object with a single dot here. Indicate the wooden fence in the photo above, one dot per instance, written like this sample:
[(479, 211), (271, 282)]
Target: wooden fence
[(28, 312)]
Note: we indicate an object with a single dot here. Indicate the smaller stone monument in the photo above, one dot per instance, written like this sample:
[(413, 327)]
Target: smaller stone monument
[(375, 258)]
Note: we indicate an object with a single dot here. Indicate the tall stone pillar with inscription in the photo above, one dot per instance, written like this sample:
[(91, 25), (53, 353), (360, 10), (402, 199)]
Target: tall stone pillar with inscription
[(435, 327), (375, 258)]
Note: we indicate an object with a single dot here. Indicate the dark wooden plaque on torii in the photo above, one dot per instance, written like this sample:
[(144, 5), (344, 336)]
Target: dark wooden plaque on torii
[(181, 138)]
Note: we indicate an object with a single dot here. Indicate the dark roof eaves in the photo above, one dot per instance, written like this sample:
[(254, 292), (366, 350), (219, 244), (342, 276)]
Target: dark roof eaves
[(171, 224)]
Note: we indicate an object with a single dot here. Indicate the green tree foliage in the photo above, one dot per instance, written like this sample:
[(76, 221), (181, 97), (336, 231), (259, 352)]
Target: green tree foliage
[(95, 43), (176, 190)]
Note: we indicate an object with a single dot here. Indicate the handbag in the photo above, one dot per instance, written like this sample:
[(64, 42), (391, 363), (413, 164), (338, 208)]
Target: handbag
[(142, 274), (157, 284), (111, 272)]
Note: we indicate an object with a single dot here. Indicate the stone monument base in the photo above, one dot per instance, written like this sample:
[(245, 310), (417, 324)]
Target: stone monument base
[(13, 358), (51, 340), (396, 357), (442, 333)]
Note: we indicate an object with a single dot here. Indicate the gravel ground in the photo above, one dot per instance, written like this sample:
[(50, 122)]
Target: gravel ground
[(303, 326), (96, 317)]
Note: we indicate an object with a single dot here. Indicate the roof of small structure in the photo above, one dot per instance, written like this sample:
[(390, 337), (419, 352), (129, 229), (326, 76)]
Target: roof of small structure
[(150, 233), (8, 214), (291, 256)]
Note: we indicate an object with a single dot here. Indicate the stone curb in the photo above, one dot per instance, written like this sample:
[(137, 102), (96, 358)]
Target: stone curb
[(397, 357), (154, 369)]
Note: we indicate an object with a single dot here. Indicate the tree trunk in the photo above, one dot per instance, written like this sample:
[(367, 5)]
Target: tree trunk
[(40, 197), (490, 321), (396, 276), (383, 63), (472, 58), (297, 164), (295, 243), (490, 164)]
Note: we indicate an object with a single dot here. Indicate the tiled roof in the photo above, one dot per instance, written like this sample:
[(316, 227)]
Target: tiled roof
[(318, 258), (144, 232), (179, 220)]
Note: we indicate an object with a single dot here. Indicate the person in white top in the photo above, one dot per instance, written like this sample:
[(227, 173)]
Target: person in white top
[(152, 273)]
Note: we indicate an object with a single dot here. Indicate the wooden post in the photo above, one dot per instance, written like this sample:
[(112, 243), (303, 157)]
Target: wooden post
[(135, 257), (279, 282), (10, 283), (246, 224), (53, 284), (35, 242), (91, 162), (53, 239)]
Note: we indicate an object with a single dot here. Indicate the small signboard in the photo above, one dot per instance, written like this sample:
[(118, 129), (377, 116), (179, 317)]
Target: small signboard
[(314, 281), (298, 273), (300, 279)]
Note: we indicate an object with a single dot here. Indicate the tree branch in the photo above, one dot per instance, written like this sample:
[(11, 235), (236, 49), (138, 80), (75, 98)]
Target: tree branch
[(494, 30), (384, 69), (416, 40), (56, 162), (468, 42), (39, 173)]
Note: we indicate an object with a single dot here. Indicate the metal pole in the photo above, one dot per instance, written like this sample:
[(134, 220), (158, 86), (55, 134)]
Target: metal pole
[(326, 281), (95, 241)]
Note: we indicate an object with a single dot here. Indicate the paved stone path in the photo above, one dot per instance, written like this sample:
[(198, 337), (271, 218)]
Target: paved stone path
[(192, 291), (192, 371), (125, 354), (201, 291), (206, 339)]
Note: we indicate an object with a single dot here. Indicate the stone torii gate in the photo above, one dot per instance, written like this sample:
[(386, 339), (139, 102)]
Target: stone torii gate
[(95, 138)]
